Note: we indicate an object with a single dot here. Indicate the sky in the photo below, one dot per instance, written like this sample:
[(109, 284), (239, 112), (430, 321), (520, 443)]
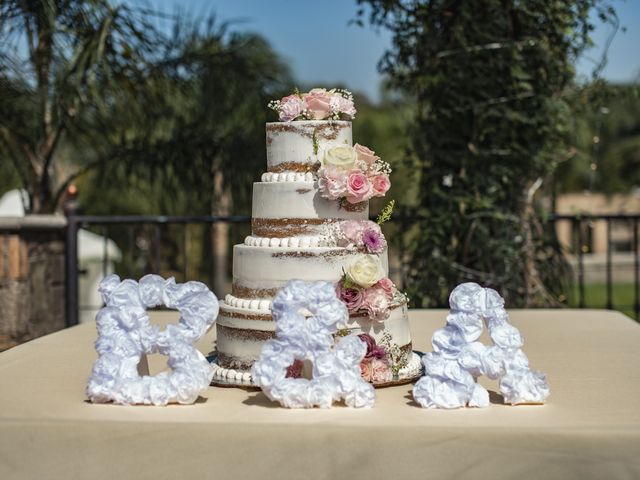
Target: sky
[(323, 49)]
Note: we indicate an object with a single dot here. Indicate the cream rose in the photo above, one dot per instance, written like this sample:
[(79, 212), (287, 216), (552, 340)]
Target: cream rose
[(366, 271), (342, 156)]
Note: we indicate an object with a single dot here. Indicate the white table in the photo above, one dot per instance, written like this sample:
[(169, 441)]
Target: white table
[(590, 427)]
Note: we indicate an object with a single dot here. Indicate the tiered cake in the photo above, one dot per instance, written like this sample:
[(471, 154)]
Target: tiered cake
[(302, 230)]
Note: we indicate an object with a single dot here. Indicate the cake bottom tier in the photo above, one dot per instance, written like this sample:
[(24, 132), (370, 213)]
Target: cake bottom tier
[(241, 333)]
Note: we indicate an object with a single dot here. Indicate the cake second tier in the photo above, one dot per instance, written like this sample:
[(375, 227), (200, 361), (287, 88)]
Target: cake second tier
[(296, 208)]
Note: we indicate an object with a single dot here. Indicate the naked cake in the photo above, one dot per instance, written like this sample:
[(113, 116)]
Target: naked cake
[(310, 221)]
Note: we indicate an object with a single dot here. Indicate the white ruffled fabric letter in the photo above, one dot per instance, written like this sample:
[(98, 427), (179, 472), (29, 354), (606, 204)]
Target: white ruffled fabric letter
[(458, 359), (307, 316), (125, 334)]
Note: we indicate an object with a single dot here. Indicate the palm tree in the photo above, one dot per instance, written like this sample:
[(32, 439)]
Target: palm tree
[(177, 108), (86, 84), (62, 61)]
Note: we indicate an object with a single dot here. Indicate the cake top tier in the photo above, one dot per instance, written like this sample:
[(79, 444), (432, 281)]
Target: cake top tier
[(310, 123), (299, 146)]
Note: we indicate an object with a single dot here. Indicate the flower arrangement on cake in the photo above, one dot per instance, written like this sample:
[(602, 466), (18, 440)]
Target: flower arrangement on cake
[(380, 365), (375, 366), (363, 235), (317, 104), (353, 174), (364, 289), (383, 360)]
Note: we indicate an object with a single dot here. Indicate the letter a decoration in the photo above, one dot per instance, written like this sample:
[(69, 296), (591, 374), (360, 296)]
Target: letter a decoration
[(458, 359)]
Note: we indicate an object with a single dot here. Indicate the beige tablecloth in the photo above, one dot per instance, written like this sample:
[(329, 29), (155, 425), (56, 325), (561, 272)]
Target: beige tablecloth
[(590, 427)]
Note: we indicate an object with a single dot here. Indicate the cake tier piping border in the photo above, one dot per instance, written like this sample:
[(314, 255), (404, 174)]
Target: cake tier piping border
[(227, 377)]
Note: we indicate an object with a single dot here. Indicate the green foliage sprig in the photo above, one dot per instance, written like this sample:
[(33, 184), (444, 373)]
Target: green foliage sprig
[(385, 214), (315, 143), (347, 282)]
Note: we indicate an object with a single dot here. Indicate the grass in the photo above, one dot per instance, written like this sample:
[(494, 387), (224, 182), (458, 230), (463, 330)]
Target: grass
[(595, 295)]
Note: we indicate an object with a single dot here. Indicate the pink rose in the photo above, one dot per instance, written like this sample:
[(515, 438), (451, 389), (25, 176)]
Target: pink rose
[(291, 107), (341, 105), (376, 304), (366, 370), (387, 285), (369, 341), (365, 155), (373, 350), (318, 103), (358, 187), (295, 369), (381, 184), (351, 297), (380, 371), (333, 183), (352, 231)]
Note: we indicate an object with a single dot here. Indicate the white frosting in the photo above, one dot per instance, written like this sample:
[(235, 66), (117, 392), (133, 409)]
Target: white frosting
[(297, 200), (231, 376), (288, 177), (293, 242), (249, 304), (272, 267), (296, 144)]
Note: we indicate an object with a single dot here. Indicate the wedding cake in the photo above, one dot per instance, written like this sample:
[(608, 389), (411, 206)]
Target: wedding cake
[(310, 221)]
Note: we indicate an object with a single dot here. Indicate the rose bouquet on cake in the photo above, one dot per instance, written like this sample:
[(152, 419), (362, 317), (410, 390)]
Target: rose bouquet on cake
[(384, 359), (352, 174), (363, 235), (317, 104), (364, 288), (375, 366)]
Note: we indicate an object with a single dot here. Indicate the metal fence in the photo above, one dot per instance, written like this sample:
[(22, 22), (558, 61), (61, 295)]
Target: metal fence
[(578, 243), (582, 245)]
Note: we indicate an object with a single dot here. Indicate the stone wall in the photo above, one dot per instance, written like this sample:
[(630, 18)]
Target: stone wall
[(32, 287)]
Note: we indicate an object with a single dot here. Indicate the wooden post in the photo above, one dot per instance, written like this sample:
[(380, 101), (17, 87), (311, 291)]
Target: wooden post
[(71, 257)]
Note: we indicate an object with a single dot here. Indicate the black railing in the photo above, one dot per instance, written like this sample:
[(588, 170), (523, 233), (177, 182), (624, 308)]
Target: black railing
[(578, 244), (582, 245), (75, 222)]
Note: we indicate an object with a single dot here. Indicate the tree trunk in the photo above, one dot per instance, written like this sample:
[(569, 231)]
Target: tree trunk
[(220, 205), (536, 293)]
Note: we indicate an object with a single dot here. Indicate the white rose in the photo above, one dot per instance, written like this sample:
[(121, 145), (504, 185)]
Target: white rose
[(366, 271), (342, 156)]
